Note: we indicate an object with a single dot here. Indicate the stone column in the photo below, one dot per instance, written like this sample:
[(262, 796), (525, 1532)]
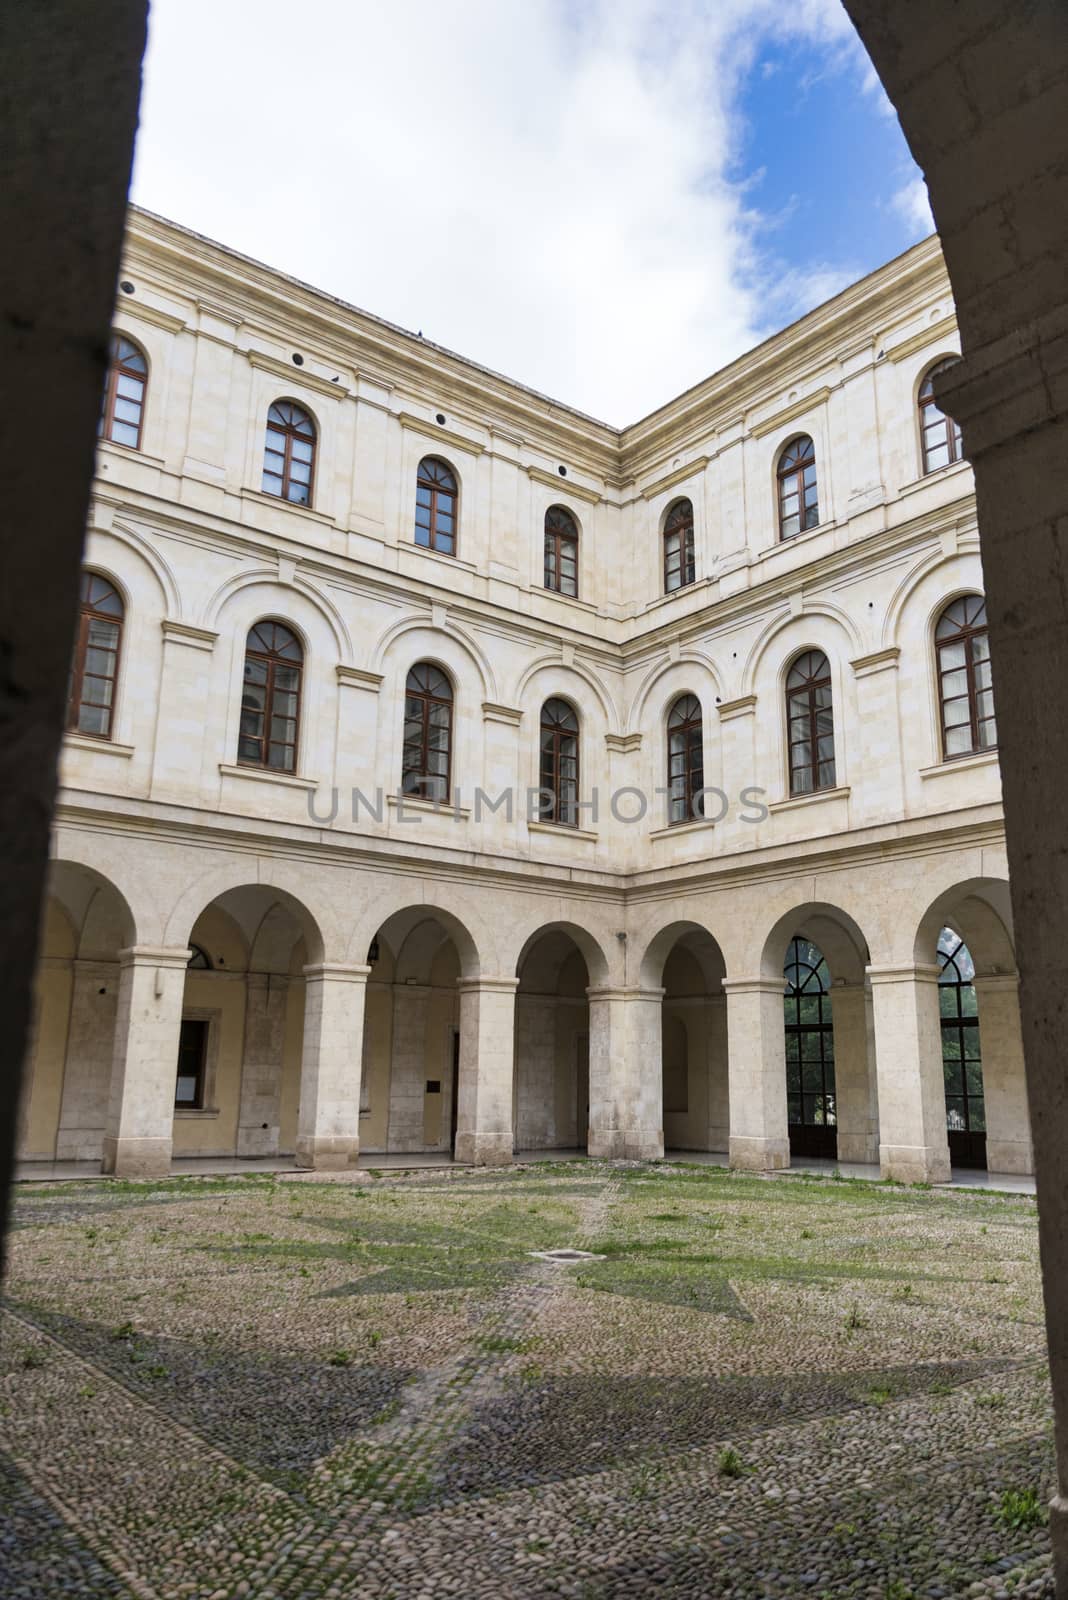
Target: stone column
[(854, 1075), (261, 1069), (407, 1068), (756, 1057), (328, 1123), (140, 1118), (626, 1074), (913, 1147), (87, 1069), (1008, 1121), (487, 1055)]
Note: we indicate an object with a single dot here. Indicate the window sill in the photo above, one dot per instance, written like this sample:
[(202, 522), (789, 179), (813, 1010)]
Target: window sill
[(85, 741), (794, 539), (668, 596), (126, 452), (413, 803), (674, 830), (259, 498), (795, 800), (978, 758), (562, 830), (568, 599), (289, 780), (951, 470), (437, 555), (205, 1113)]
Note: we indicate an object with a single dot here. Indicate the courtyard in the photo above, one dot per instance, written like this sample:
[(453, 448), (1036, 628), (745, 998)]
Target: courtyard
[(290, 1386)]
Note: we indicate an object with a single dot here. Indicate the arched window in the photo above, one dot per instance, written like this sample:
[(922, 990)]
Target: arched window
[(95, 669), (939, 433), (124, 393), (559, 763), (270, 700), (962, 1064), (810, 723), (964, 687), (199, 960), (289, 454), (678, 547), (811, 1100), (686, 762), (435, 506), (561, 551), (427, 753), (799, 503)]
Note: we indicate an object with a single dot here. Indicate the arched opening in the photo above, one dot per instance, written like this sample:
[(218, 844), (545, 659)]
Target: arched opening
[(551, 1080), (966, 938), (828, 1070), (71, 1050), (410, 1081), (685, 961), (238, 1057)]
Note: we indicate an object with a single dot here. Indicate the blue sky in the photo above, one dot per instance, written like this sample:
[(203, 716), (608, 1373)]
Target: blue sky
[(604, 199)]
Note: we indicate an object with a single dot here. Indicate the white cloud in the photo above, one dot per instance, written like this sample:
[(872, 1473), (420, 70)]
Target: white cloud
[(542, 185), (914, 208)]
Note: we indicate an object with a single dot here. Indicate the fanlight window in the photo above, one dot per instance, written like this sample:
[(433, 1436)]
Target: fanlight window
[(811, 1101), (199, 960), (289, 455), (940, 434), (435, 506), (679, 567), (95, 668), (810, 723), (961, 1059), (427, 754), (965, 691), (799, 504), (561, 551), (559, 763), (270, 699), (124, 394), (686, 770)]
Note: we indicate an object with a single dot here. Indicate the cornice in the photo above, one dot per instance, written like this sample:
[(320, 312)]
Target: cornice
[(186, 633), (358, 678), (433, 430), (512, 716), (877, 661), (298, 377), (934, 333), (787, 414), (142, 311), (623, 743), (566, 488), (691, 469), (744, 706)]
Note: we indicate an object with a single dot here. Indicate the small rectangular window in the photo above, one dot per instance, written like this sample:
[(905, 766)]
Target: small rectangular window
[(192, 1060)]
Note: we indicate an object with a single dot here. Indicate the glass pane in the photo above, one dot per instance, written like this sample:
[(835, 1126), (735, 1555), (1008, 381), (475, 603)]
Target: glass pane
[(93, 719), (955, 1119)]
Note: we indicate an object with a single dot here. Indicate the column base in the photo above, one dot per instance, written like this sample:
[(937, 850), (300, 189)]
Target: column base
[(758, 1155), (483, 1149), (624, 1144), (1058, 1538), (861, 1149), (327, 1155), (253, 1142), (136, 1158), (908, 1163), (1014, 1156)]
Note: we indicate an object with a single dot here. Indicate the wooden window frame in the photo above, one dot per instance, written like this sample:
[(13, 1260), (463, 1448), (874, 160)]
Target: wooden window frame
[(561, 534), (790, 479), (798, 959), (966, 635), (802, 708), (690, 732), (424, 779), (118, 368), (439, 494), (88, 613), (927, 402), (289, 430), (678, 525), (273, 659), (553, 804)]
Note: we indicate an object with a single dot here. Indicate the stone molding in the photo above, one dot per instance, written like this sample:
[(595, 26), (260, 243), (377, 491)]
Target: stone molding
[(790, 413), (511, 716), (359, 678), (877, 661), (623, 743), (336, 972), (565, 487), (435, 430), (491, 985), (187, 633), (691, 469), (744, 706), (154, 955), (906, 972)]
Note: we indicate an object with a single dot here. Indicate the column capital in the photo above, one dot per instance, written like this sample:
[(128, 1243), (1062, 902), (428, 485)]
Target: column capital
[(614, 992), (904, 972), (996, 982), (489, 985), (757, 984), (154, 955), (335, 971)]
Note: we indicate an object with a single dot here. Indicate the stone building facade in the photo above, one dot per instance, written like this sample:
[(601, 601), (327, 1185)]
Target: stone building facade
[(447, 770)]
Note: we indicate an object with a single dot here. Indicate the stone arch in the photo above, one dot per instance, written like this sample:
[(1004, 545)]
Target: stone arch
[(266, 883), (147, 553), (979, 910), (806, 625), (562, 670), (404, 908), (696, 674), (597, 962), (835, 930), (384, 650), (278, 603)]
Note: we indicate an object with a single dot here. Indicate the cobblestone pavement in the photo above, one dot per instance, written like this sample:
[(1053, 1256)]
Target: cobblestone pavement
[(248, 1387)]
